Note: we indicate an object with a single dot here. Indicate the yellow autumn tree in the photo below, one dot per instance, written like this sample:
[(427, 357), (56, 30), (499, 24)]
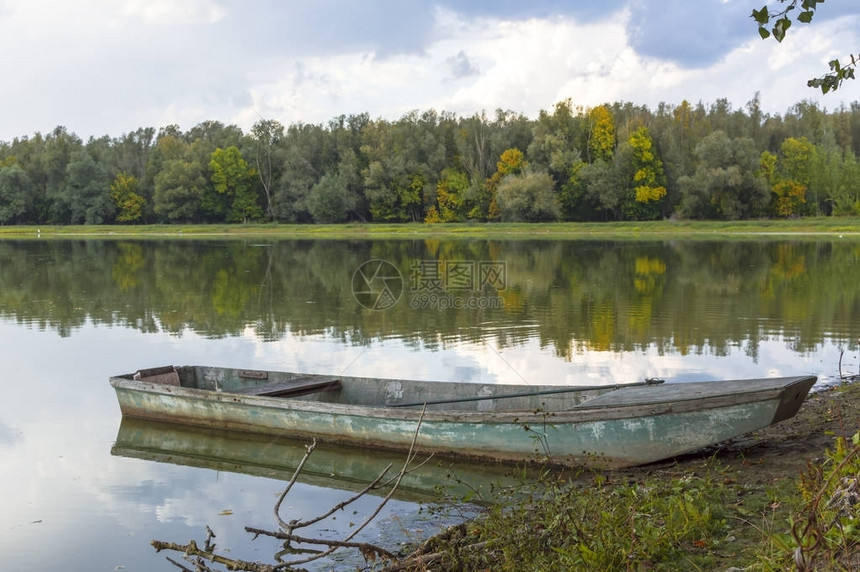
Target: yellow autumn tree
[(649, 180), (451, 201), (129, 204), (789, 175), (601, 138), (511, 162)]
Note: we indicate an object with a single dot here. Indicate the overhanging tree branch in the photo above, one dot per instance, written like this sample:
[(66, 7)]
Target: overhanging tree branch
[(773, 22)]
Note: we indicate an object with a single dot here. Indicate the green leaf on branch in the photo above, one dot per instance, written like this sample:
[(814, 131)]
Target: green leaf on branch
[(780, 28), (761, 16)]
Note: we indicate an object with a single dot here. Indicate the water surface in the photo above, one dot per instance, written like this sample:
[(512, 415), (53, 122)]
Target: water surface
[(74, 312)]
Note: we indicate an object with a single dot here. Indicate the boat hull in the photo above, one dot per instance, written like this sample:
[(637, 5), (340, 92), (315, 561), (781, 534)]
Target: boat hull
[(605, 428)]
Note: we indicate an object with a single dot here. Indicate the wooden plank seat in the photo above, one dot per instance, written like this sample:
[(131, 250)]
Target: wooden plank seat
[(293, 387), (166, 375)]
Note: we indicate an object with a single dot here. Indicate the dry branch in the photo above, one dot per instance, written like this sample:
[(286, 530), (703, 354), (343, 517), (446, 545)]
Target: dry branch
[(369, 551), (191, 549)]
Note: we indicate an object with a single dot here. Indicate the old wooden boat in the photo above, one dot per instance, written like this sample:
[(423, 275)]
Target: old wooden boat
[(611, 426)]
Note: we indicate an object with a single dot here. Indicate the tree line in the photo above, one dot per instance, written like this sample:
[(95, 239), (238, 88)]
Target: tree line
[(616, 161)]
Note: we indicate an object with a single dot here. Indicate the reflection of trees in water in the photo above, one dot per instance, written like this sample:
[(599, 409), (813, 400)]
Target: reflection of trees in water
[(682, 296)]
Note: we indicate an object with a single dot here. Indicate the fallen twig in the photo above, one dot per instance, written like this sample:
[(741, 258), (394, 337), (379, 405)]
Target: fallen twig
[(362, 546), (277, 509), (191, 549), (180, 565)]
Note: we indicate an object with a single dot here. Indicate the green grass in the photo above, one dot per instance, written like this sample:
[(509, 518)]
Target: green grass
[(602, 524), (807, 226)]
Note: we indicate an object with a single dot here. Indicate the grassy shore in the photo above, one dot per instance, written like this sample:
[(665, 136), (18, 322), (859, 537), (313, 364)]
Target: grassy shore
[(849, 226)]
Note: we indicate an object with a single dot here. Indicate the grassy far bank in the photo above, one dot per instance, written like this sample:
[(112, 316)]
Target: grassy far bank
[(812, 226)]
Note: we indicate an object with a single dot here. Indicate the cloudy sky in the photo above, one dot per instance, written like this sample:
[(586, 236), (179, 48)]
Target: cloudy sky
[(110, 66)]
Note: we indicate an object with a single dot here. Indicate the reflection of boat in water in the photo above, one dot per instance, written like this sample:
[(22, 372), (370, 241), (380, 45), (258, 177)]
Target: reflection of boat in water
[(329, 465), (613, 426)]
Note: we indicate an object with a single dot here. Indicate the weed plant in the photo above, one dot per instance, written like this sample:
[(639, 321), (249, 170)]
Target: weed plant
[(823, 534)]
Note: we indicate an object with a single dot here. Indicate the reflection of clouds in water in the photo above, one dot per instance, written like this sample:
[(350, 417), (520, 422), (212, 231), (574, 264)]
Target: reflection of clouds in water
[(183, 500), (9, 436)]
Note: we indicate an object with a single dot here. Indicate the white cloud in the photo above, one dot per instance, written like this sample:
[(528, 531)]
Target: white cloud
[(522, 66), (529, 65), (108, 67), (168, 12), (778, 71)]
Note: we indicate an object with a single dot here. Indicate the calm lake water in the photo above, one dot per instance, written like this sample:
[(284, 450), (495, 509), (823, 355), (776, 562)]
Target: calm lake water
[(84, 492)]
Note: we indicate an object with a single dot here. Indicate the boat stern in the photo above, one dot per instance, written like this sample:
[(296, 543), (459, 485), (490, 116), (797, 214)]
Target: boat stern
[(792, 398)]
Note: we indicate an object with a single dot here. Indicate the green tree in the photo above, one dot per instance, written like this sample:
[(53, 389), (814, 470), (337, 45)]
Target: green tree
[(394, 194), (15, 193), (87, 191), (305, 154), (170, 146), (330, 199), (231, 178), (557, 141), (575, 202), (59, 147), (129, 204), (473, 148), (179, 191), (603, 187), (266, 135), (214, 135), (527, 197), (834, 174), (346, 133), (26, 152), (131, 152), (728, 182)]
